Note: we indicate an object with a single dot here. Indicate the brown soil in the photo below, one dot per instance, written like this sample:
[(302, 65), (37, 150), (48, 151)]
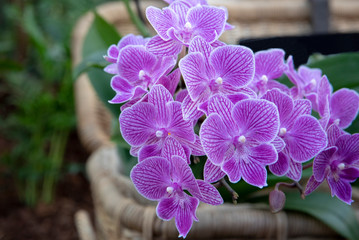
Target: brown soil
[(53, 221)]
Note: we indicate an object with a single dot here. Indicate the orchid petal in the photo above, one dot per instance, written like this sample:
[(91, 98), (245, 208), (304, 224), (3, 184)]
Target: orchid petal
[(344, 105), (254, 174), (257, 118), (210, 194), (312, 185), (207, 21), (341, 189), (322, 162), (306, 139), (151, 177), (159, 47), (234, 64), (281, 167), (137, 123), (192, 67), (177, 125), (212, 173), (215, 139)]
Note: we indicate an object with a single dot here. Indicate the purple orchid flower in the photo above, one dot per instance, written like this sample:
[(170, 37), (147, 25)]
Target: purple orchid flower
[(303, 136), (164, 179), (238, 138), (177, 24), (338, 164), (270, 65), (138, 71), (207, 72), (306, 80), (114, 50), (146, 125), (341, 108)]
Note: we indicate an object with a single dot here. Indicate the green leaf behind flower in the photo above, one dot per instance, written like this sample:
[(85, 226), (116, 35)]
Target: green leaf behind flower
[(331, 211)]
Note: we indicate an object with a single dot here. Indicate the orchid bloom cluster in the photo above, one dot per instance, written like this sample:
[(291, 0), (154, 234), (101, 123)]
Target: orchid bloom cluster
[(249, 123)]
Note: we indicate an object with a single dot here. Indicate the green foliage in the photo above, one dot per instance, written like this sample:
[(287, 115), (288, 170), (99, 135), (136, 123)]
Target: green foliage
[(36, 90), (331, 211), (99, 37)]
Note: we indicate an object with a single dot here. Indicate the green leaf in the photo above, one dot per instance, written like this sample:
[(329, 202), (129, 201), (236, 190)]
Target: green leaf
[(101, 82), (33, 30), (100, 36), (342, 69), (95, 60), (331, 211)]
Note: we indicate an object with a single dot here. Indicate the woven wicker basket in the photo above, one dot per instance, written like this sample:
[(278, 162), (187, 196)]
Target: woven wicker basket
[(120, 212)]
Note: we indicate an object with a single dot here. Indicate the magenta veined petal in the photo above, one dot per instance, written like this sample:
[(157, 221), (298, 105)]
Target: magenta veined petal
[(270, 63), (234, 64), (283, 102), (179, 127), (233, 169), (212, 173), (258, 119), (137, 123), (207, 21), (183, 208), (215, 139), (182, 174), (322, 162), (172, 147), (223, 107), (306, 139), (344, 106), (210, 194), (134, 59), (254, 174), (341, 189), (159, 96), (311, 186), (281, 167), (192, 67), (151, 177), (160, 47), (162, 20)]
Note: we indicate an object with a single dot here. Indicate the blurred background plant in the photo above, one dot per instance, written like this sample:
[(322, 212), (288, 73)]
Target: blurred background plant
[(37, 107)]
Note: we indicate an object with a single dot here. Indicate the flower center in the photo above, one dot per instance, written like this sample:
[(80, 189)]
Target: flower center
[(188, 27), (337, 121), (282, 131), (242, 139), (313, 83), (169, 189), (141, 74), (159, 133), (341, 166), (219, 80), (264, 79)]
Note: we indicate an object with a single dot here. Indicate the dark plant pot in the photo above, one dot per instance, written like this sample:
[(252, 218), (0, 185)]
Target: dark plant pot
[(301, 47)]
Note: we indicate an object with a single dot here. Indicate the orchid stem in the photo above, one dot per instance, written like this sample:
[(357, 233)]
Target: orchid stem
[(308, 165), (291, 185), (235, 195)]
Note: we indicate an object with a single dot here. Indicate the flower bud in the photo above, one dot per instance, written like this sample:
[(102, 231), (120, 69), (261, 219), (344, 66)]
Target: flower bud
[(276, 200)]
